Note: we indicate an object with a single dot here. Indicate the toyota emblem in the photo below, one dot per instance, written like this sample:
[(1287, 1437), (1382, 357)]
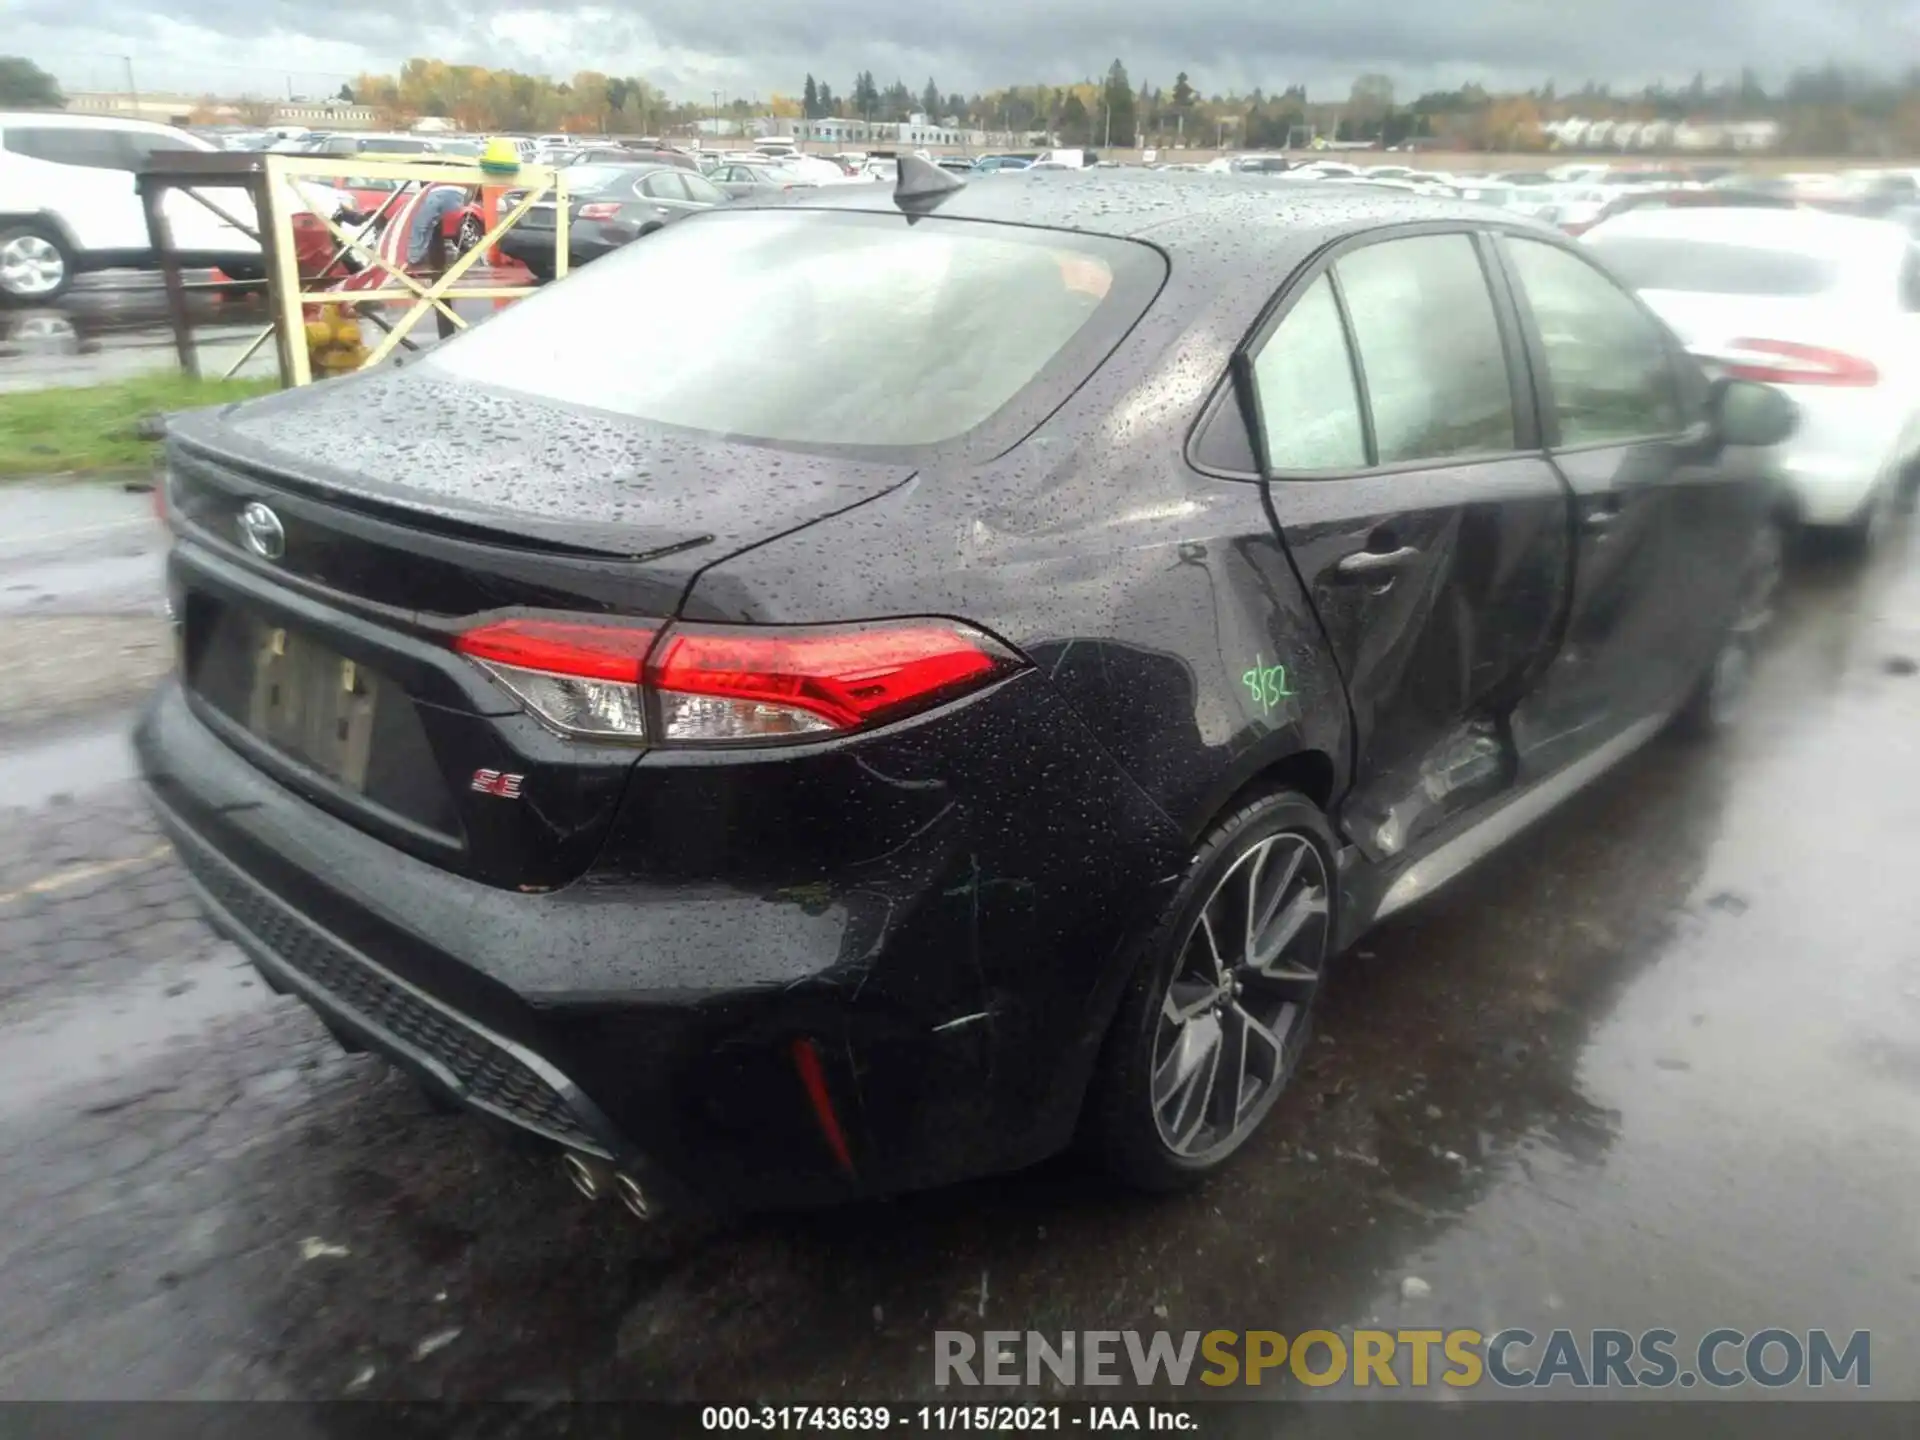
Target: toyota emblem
[(262, 531)]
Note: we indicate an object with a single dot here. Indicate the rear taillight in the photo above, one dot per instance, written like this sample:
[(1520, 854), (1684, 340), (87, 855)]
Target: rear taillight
[(600, 210), (731, 683), (1787, 362), (580, 678)]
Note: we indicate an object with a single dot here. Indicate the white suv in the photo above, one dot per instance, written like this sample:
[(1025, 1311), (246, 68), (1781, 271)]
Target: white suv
[(68, 204)]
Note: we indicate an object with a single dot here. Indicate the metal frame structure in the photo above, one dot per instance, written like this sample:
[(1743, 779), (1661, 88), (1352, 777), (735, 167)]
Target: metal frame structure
[(271, 181)]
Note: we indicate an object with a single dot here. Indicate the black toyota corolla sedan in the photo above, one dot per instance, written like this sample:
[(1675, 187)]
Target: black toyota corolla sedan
[(960, 686)]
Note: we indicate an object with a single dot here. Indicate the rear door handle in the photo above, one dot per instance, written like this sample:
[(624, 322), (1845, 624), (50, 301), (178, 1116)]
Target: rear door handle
[(1604, 514), (1375, 564)]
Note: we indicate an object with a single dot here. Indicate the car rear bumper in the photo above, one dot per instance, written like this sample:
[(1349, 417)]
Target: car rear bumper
[(1848, 444), (948, 1005), (585, 241)]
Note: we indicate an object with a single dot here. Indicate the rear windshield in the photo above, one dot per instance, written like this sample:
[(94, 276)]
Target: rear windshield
[(590, 179), (1702, 267), (829, 330)]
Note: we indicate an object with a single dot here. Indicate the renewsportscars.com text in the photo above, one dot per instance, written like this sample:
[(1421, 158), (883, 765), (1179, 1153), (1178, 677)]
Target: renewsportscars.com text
[(1515, 1358)]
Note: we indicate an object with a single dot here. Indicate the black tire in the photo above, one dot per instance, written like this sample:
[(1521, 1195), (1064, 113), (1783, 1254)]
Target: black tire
[(1860, 537), (1719, 695), (1127, 1122), (32, 249)]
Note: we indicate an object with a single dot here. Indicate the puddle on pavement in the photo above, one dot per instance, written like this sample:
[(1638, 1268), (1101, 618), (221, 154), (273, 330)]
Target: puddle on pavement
[(100, 1036), (66, 764)]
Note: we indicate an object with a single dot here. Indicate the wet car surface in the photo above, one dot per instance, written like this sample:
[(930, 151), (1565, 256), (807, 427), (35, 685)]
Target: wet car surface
[(1656, 1064)]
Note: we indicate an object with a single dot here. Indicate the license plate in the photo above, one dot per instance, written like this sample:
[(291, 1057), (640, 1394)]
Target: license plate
[(315, 705)]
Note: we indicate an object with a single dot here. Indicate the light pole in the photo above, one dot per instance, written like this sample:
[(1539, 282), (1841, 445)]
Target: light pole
[(716, 115)]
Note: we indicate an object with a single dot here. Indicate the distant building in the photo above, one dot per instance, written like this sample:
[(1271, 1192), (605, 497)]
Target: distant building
[(157, 106), (181, 109), (833, 130), (326, 115)]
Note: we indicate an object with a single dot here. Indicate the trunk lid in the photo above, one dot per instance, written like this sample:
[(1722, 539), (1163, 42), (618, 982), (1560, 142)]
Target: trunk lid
[(401, 510)]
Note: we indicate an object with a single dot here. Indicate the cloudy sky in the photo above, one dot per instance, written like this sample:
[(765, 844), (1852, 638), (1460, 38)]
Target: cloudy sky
[(749, 47)]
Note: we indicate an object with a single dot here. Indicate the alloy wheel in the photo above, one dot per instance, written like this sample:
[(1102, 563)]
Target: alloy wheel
[(31, 266), (1234, 1020), (469, 234)]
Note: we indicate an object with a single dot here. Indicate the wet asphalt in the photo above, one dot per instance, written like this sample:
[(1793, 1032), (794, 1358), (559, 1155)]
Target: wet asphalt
[(1657, 1064)]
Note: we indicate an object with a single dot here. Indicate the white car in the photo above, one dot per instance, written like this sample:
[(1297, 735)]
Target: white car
[(68, 205), (807, 169), (1826, 307)]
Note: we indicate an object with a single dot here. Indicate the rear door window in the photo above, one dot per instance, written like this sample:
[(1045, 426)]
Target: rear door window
[(698, 189), (1437, 381), (1309, 404), (665, 185), (1610, 367)]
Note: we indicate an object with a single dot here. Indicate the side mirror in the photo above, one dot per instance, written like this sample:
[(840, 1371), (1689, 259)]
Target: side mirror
[(1746, 412)]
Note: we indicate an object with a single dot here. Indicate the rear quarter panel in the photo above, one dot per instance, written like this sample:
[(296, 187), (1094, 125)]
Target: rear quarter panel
[(1157, 600)]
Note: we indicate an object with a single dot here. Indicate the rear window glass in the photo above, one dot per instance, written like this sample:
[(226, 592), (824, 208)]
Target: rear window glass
[(591, 179), (1703, 267), (828, 330)]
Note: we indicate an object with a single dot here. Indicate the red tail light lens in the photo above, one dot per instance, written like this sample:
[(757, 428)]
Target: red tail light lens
[(600, 210), (733, 683), (719, 682), (582, 679), (1786, 362)]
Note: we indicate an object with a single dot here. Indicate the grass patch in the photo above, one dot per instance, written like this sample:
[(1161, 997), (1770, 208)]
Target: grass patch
[(96, 427)]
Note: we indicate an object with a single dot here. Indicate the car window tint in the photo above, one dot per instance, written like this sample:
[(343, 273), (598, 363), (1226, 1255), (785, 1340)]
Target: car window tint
[(1609, 364), (93, 148), (1430, 352), (1309, 408), (699, 189)]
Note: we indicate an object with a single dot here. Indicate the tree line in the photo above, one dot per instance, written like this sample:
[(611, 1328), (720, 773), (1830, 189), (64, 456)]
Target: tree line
[(1826, 110)]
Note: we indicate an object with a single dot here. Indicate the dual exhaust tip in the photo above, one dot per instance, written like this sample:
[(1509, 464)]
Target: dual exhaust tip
[(594, 1178)]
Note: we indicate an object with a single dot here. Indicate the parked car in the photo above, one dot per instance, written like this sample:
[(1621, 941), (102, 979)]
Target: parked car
[(609, 206), (991, 164), (912, 717), (1827, 307), (368, 144), (1574, 208), (811, 170), (742, 180), (68, 205), (1259, 165), (624, 155), (1719, 197)]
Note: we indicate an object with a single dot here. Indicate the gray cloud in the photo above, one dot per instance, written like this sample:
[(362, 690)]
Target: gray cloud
[(767, 45)]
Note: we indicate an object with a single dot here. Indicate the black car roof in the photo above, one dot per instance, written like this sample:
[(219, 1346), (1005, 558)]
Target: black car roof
[(1235, 214)]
